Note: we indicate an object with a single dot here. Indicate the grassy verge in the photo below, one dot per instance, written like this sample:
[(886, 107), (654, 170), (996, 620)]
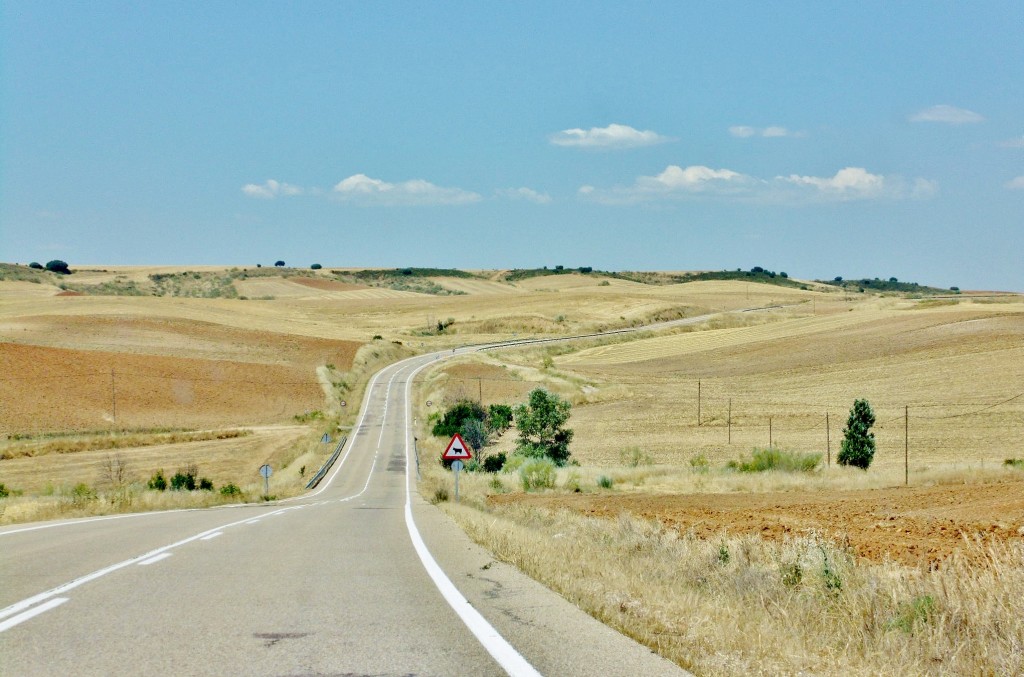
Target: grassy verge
[(115, 440)]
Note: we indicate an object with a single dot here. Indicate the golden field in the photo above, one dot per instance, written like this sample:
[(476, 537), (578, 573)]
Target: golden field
[(837, 571)]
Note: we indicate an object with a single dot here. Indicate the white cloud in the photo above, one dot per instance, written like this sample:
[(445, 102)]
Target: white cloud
[(361, 189), (1017, 142), (527, 194), (674, 182), (1016, 183), (612, 136), (950, 115), (851, 183), (773, 132), (271, 189)]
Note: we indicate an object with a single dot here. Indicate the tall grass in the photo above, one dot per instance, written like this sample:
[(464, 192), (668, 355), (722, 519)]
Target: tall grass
[(742, 605)]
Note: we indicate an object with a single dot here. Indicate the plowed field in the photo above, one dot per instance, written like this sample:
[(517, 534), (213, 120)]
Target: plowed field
[(915, 525)]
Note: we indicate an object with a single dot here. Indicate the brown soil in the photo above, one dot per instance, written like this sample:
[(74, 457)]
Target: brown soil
[(326, 285), (914, 526), (46, 389)]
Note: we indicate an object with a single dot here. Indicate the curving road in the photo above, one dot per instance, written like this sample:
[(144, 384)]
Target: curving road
[(361, 577)]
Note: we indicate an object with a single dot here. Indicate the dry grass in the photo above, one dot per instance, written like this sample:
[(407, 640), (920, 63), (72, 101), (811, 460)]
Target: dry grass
[(110, 440), (744, 606)]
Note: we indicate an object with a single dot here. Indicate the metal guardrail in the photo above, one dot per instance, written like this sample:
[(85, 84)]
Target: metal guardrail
[(315, 480)]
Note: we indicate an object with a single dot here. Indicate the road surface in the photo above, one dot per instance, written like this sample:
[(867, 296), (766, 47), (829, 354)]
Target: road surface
[(361, 577)]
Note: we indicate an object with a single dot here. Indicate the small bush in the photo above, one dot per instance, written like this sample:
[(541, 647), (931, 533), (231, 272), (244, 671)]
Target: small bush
[(494, 462), (157, 482), (440, 495), (572, 483), (700, 463), (1014, 463), (35, 265), (537, 473), (771, 458), (205, 484), (605, 482), (914, 614), (635, 457), (4, 491), (499, 417), (230, 489)]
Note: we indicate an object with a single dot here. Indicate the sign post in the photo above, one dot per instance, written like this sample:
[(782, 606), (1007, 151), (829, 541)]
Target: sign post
[(266, 471), (457, 452)]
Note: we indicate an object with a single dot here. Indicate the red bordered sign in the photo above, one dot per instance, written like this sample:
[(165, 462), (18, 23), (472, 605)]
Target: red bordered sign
[(457, 450)]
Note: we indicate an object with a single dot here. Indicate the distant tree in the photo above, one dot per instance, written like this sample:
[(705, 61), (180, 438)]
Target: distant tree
[(757, 269), (315, 266), (783, 275), (279, 264), (499, 417), (58, 266), (541, 423), (837, 279), (893, 279), (259, 265), (36, 265), (956, 289), (559, 267), (586, 269), (858, 446)]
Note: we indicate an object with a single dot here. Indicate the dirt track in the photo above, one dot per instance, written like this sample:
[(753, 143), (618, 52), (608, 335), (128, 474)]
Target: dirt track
[(915, 526)]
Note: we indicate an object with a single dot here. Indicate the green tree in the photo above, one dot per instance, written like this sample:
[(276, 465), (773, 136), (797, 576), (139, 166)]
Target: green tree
[(58, 266), (474, 434), (541, 423), (858, 447), (499, 417), (456, 416)]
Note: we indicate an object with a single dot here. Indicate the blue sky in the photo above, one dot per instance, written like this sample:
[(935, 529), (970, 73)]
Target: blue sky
[(858, 139)]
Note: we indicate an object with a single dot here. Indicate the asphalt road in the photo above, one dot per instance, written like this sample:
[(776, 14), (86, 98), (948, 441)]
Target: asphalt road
[(361, 577)]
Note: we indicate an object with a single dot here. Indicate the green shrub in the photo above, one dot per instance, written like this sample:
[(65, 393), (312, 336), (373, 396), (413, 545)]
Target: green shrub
[(157, 481), (205, 484), (635, 456), (4, 491), (1014, 463), (499, 417), (440, 495), (185, 480), (699, 463), (456, 416), (494, 462), (35, 265), (538, 473), (605, 482), (230, 490), (772, 458), (913, 614)]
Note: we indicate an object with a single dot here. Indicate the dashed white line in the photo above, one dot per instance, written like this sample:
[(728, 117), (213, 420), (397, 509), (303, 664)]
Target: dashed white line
[(32, 613), (154, 559)]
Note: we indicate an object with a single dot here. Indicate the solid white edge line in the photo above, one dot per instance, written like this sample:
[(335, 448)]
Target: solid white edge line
[(154, 559), (212, 536), (510, 660), (31, 613)]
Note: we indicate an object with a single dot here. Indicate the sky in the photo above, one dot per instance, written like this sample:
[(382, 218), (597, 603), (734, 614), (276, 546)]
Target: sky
[(867, 139)]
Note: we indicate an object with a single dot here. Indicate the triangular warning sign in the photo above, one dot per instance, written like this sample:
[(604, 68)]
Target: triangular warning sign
[(457, 450)]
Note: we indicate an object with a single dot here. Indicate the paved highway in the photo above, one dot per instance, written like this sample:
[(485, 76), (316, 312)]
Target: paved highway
[(361, 577)]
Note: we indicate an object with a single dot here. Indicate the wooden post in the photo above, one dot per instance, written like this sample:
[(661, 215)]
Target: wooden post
[(828, 443), (480, 386), (730, 420), (769, 431), (906, 445), (698, 403), (113, 397)]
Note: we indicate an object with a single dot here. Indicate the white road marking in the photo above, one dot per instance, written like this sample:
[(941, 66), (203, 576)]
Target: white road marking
[(31, 613), (497, 646), (154, 559), (212, 536)]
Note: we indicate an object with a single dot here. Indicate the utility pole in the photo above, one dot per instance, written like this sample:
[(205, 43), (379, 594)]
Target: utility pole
[(113, 397), (769, 431), (480, 387), (730, 420)]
